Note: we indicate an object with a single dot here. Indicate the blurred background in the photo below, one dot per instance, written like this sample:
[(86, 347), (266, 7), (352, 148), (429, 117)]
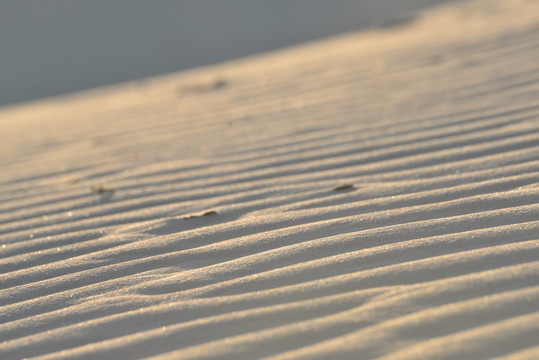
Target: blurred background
[(53, 47)]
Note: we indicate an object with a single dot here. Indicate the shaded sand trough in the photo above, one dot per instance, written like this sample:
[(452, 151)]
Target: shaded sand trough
[(207, 214)]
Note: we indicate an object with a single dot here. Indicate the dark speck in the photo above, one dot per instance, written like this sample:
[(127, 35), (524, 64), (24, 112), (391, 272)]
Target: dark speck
[(214, 85), (101, 190), (219, 84), (344, 187)]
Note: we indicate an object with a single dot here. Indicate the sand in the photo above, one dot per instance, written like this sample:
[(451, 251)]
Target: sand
[(374, 195)]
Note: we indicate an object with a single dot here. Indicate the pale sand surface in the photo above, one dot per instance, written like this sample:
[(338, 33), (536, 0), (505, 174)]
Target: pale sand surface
[(433, 253)]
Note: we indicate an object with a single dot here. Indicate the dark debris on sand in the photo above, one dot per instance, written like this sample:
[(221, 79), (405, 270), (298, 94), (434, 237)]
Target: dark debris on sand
[(102, 190), (344, 187)]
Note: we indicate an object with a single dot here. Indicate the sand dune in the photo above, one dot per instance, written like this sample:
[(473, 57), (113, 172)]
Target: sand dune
[(371, 196)]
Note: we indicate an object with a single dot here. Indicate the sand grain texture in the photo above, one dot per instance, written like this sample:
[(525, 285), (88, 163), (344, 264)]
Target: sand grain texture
[(374, 195)]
